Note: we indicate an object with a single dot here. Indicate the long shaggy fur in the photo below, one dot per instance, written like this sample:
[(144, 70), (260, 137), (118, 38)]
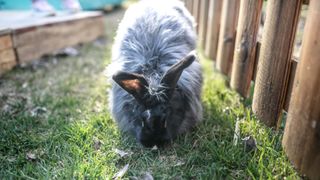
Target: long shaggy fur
[(153, 36)]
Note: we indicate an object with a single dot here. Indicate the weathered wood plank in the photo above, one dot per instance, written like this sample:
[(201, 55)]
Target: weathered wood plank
[(213, 28), (301, 139), (5, 41), (256, 59), (188, 4), (47, 39), (227, 36), (26, 36), (20, 20), (245, 47), (204, 8), (7, 55), (196, 12), (191, 6), (274, 60), (292, 75)]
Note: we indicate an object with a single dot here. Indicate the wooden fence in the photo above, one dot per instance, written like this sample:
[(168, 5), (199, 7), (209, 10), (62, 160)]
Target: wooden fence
[(228, 32)]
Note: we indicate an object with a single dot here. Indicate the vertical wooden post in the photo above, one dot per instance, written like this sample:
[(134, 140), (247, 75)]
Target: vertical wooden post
[(213, 28), (274, 60), (245, 47), (188, 4), (229, 18), (204, 7), (196, 12), (191, 6), (301, 139)]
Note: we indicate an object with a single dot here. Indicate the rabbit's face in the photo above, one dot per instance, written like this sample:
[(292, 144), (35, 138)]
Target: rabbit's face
[(154, 120), (154, 123)]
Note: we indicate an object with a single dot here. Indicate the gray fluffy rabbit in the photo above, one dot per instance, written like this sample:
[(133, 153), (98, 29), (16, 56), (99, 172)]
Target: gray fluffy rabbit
[(157, 82)]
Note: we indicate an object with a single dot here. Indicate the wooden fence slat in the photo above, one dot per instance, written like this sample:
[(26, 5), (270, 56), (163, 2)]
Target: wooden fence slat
[(245, 47), (7, 55), (196, 12), (213, 28), (5, 41), (227, 35), (301, 139), (256, 58), (292, 75), (185, 3), (191, 6), (204, 8), (274, 60)]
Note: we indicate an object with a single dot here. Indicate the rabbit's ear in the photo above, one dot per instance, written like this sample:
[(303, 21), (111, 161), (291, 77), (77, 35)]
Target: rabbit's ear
[(172, 76), (134, 84)]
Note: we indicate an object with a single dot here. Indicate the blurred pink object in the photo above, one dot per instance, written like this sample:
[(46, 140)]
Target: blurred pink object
[(72, 6), (42, 8)]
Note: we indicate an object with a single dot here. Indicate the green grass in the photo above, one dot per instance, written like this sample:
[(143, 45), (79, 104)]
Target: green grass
[(76, 137)]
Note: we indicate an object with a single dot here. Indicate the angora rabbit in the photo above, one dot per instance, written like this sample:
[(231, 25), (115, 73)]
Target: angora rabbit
[(156, 76)]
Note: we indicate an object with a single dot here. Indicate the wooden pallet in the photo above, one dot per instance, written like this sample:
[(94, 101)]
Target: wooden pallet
[(25, 37)]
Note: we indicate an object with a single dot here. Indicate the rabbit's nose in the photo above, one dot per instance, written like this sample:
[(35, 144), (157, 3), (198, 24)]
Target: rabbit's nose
[(147, 143)]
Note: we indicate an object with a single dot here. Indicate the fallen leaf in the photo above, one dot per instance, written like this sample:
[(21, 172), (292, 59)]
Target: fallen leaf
[(11, 159), (38, 111), (24, 85), (226, 110), (154, 148), (146, 176), (98, 107), (122, 153), (69, 51), (97, 144), (179, 163), (31, 156), (120, 173)]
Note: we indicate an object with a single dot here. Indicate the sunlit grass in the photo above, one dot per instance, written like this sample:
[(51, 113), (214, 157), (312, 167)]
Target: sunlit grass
[(76, 137)]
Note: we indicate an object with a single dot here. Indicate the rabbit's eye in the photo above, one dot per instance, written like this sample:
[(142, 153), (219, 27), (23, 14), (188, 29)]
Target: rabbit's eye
[(162, 108)]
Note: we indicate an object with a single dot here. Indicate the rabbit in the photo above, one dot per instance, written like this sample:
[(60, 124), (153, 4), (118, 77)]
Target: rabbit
[(156, 78)]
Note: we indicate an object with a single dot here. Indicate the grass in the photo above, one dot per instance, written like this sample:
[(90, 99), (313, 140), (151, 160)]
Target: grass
[(73, 135)]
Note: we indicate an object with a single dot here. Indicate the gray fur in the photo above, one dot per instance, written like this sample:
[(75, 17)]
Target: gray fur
[(153, 36)]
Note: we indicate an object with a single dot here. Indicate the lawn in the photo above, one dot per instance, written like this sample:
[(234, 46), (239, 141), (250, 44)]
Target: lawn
[(55, 124)]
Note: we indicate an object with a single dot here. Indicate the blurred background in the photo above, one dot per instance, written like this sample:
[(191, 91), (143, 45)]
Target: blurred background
[(58, 4)]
